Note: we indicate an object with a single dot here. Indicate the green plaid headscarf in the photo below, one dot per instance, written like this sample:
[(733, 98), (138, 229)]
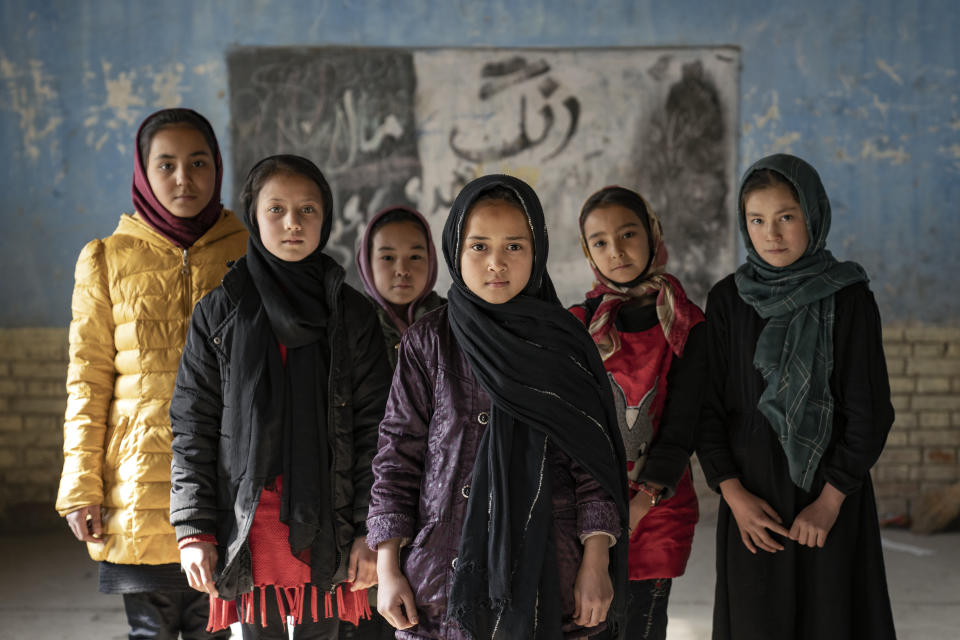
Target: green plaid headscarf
[(794, 352)]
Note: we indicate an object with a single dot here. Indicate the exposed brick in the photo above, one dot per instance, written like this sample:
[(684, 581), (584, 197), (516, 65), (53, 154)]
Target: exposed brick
[(9, 422), (897, 349), (934, 419), (900, 402), (905, 420), (42, 477), (896, 366), (932, 334), (948, 402), (933, 385), (32, 350), (892, 334), (953, 350), (9, 459), (12, 387), (933, 366), (39, 422), (897, 439), (897, 489), (53, 370), (889, 507), (902, 384), (4, 366), (40, 405), (902, 455), (955, 419), (935, 438), (48, 388), (41, 458), (956, 384), (945, 473), (930, 486), (940, 456), (34, 335), (929, 350), (892, 472)]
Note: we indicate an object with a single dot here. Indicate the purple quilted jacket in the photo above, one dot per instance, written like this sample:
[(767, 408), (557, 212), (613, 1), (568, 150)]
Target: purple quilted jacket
[(429, 436)]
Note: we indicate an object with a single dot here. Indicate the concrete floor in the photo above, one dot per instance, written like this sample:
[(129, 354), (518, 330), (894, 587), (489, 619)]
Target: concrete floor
[(48, 588)]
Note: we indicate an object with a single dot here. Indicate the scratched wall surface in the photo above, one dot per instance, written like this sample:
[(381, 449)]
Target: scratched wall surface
[(867, 91), (411, 127)]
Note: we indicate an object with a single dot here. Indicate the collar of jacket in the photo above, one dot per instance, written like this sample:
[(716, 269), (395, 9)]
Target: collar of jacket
[(133, 225), (237, 282)]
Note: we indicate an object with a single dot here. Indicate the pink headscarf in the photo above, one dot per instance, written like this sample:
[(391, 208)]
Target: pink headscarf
[(182, 232), (366, 272)]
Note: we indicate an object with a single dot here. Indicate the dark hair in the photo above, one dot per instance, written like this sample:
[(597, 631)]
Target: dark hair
[(498, 192), (283, 164), (764, 179), (171, 118), (623, 197), (396, 215)]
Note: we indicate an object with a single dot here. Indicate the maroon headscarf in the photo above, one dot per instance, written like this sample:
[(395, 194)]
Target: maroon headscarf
[(182, 232), (366, 272)]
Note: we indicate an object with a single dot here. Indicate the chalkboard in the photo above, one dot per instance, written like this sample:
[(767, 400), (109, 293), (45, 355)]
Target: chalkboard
[(411, 127)]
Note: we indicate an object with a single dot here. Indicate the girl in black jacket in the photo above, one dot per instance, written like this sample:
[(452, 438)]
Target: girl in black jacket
[(281, 386)]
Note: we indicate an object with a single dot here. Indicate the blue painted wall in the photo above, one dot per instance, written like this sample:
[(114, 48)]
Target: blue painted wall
[(867, 91)]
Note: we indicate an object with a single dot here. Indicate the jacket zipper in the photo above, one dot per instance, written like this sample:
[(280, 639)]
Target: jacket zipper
[(185, 272)]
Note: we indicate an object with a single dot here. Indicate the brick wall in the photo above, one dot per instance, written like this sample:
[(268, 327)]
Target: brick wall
[(921, 453), (33, 369)]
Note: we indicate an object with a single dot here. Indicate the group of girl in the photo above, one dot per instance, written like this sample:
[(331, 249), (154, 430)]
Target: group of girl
[(232, 426)]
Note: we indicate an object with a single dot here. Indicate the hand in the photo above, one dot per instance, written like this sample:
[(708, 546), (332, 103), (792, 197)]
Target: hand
[(199, 559), (811, 526), (754, 516), (86, 525), (362, 571), (394, 596), (593, 590)]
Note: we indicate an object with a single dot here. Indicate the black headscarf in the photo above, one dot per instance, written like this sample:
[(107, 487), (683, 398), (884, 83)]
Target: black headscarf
[(290, 401), (547, 387)]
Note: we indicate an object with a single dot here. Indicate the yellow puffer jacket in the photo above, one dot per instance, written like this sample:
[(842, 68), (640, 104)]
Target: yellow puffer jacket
[(132, 301)]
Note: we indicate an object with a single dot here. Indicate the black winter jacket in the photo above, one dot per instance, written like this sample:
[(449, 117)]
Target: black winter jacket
[(218, 472)]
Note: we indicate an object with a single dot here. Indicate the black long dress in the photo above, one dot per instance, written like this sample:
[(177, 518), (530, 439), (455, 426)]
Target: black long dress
[(839, 591)]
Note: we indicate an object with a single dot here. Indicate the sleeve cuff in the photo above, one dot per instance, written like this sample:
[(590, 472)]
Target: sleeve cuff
[(388, 526), (598, 517), (206, 537), (612, 539), (193, 529)]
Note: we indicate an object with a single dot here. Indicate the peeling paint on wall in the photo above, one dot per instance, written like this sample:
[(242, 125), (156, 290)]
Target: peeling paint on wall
[(166, 86), (29, 93), (872, 151), (887, 69)]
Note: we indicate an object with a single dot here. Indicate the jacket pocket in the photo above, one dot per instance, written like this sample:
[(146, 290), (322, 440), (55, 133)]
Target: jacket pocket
[(425, 566), (116, 441)]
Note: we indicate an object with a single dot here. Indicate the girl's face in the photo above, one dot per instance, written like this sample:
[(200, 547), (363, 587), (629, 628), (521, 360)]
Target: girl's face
[(398, 259), (776, 225), (181, 170), (497, 256), (617, 241), (290, 216)]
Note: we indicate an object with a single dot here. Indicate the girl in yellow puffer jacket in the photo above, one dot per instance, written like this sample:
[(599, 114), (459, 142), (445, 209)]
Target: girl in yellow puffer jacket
[(134, 294)]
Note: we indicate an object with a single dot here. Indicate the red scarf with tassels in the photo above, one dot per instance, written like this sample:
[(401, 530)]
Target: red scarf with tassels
[(274, 566)]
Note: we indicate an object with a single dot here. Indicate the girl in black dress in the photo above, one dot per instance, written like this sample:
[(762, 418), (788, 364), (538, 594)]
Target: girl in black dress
[(796, 412)]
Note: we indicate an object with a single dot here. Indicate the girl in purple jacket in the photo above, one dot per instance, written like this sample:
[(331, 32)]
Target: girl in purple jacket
[(499, 486)]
